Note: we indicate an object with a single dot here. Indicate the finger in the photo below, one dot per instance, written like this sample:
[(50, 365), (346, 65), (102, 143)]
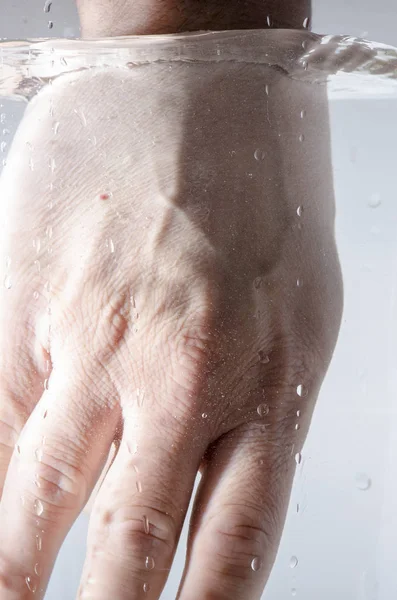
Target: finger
[(238, 516), (139, 511), (59, 457)]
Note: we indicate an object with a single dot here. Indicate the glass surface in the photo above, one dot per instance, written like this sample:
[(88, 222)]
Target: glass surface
[(231, 154)]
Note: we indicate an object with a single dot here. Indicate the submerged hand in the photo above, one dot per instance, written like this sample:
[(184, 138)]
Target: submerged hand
[(164, 293)]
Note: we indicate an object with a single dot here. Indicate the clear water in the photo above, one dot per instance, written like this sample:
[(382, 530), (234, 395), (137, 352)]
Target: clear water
[(310, 123)]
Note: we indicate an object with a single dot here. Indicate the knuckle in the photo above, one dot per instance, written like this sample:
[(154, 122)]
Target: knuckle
[(140, 531)]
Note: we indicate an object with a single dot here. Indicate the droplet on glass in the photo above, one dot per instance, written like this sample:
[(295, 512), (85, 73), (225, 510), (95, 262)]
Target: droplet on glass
[(7, 282), (31, 584), (146, 524), (375, 201), (263, 410), (293, 563), (298, 458), (259, 154), (302, 391), (39, 454), (256, 563), (38, 507), (264, 358), (363, 482), (149, 563), (299, 211)]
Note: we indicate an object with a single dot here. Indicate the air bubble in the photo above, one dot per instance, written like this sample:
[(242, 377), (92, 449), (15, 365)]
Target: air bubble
[(293, 563), (31, 584), (263, 410), (302, 391), (38, 507), (298, 458), (149, 563), (259, 154), (256, 563), (375, 201), (7, 282), (363, 482)]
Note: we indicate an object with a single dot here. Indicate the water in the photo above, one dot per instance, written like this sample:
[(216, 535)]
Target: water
[(344, 492)]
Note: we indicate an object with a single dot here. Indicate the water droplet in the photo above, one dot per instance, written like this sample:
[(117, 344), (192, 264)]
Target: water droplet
[(293, 563), (264, 358), (140, 395), (146, 587), (298, 458), (298, 413), (47, 6), (63, 61), (146, 524), (50, 24), (7, 282), (263, 410), (302, 391), (293, 592), (36, 295), (38, 266), (2, 118), (363, 482), (39, 542), (301, 137), (38, 507), (18, 449), (37, 244), (257, 282), (3, 146), (259, 154), (306, 22), (45, 414), (297, 427), (204, 415), (138, 486), (149, 563), (299, 283), (256, 563), (36, 481), (45, 384), (8, 262), (269, 21), (375, 201), (267, 89), (37, 569), (303, 114), (297, 507), (299, 211), (32, 586), (6, 132), (111, 245), (47, 286), (48, 232), (39, 454)]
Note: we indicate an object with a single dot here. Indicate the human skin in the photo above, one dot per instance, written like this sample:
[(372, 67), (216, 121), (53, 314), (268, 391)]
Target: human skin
[(178, 329)]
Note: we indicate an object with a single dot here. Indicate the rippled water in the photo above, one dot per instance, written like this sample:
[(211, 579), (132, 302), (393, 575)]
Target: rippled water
[(352, 67)]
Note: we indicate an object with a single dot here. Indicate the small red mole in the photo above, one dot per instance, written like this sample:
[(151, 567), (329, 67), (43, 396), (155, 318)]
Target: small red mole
[(104, 196)]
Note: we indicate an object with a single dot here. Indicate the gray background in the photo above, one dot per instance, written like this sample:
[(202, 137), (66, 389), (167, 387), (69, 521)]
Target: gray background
[(344, 537)]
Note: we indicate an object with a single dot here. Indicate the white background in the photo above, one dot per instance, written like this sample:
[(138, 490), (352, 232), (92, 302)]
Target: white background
[(344, 537)]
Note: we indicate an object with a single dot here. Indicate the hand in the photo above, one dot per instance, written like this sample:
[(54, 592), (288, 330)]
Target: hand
[(165, 292)]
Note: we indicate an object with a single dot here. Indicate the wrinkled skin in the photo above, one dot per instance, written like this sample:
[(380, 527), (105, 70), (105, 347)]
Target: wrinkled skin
[(173, 267)]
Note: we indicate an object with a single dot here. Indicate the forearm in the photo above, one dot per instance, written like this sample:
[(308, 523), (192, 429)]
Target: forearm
[(100, 18)]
